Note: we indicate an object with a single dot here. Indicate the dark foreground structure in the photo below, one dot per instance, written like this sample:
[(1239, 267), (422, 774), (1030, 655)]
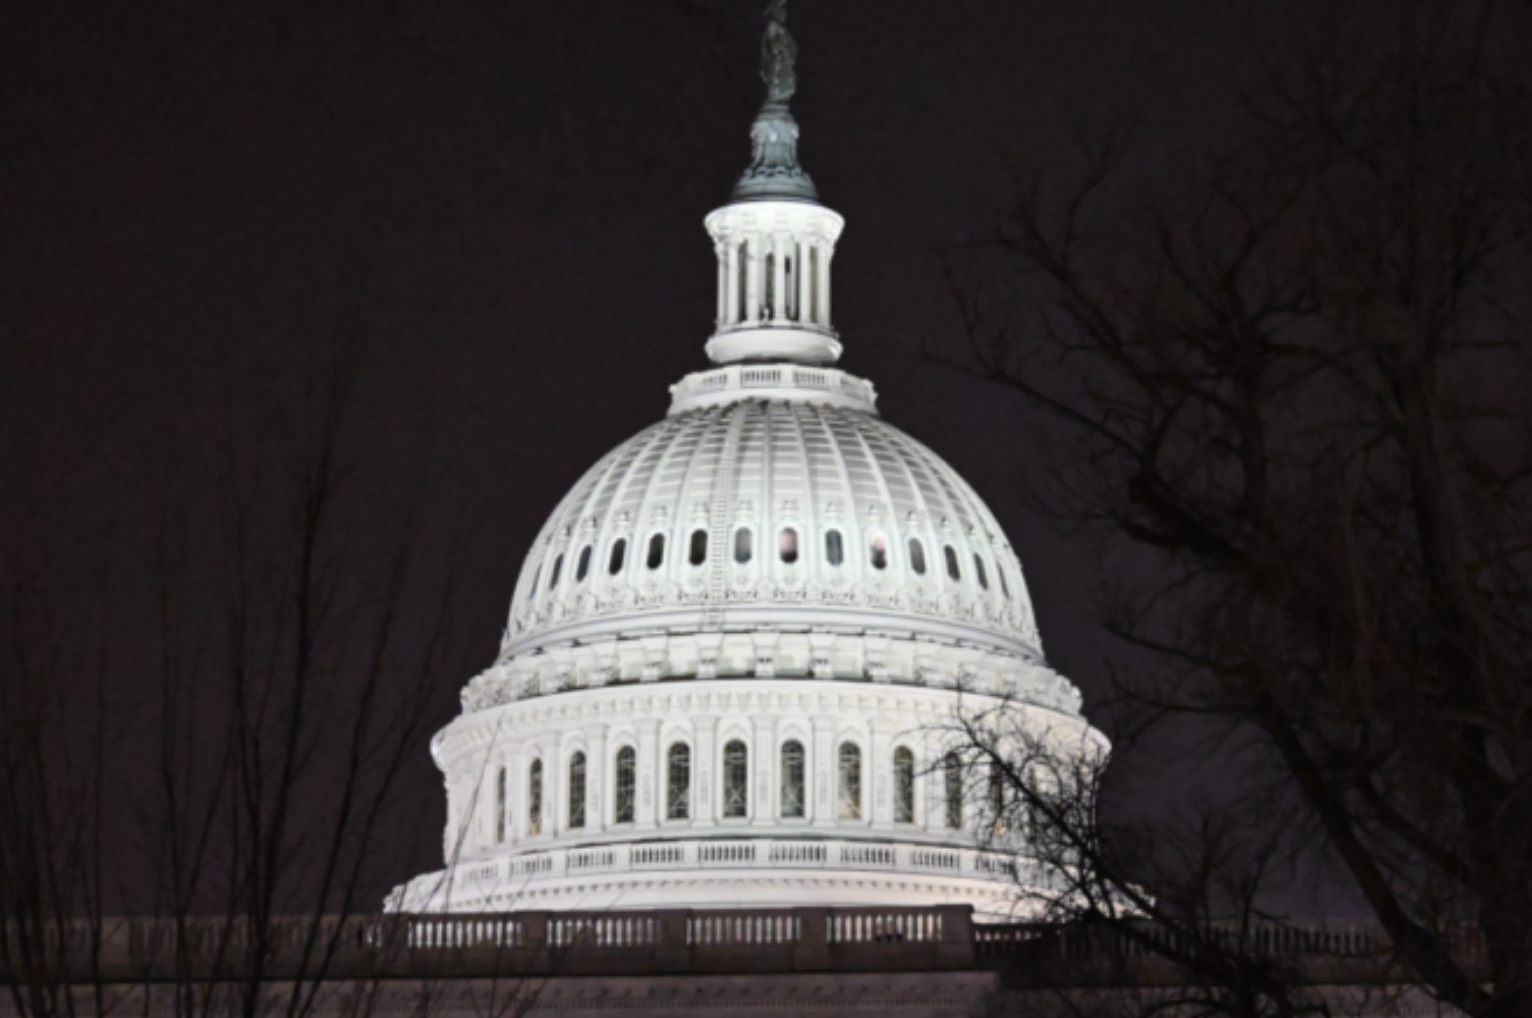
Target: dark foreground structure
[(805, 961)]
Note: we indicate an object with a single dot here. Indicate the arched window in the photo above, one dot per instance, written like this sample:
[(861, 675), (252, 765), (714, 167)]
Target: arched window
[(736, 780), (793, 767), (627, 783), (952, 774), (698, 554), (678, 784), (878, 548), (535, 798), (996, 796), (917, 556), (656, 551), (744, 545), (787, 545), (558, 567), (769, 305), (835, 552), (850, 781), (577, 790), (904, 785), (978, 570), (582, 569), (952, 564), (500, 797), (619, 556)]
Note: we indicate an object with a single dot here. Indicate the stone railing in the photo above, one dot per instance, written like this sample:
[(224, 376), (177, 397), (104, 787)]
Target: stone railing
[(678, 942), (739, 380), (753, 853)]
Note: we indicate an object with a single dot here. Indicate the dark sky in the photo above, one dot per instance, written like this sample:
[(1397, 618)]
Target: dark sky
[(500, 204)]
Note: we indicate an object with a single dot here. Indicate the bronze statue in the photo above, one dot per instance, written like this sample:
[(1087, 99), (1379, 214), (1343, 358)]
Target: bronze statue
[(778, 54)]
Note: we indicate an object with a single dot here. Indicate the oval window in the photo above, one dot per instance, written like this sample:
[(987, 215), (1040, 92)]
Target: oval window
[(835, 553), (582, 569), (619, 554), (952, 564), (878, 547), (698, 553), (558, 567), (917, 556), (978, 570), (656, 551), (744, 547), (787, 543)]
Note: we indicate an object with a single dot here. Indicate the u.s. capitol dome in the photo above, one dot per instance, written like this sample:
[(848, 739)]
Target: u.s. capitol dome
[(736, 649)]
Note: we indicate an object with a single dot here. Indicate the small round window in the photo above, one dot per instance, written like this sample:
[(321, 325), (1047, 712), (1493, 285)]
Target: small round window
[(744, 545), (917, 556), (835, 552), (698, 552), (952, 564), (619, 555), (978, 570), (582, 569), (656, 551), (878, 549), (558, 567), (787, 545)]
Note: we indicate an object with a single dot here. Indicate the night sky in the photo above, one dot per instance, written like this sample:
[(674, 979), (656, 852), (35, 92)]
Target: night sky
[(499, 205)]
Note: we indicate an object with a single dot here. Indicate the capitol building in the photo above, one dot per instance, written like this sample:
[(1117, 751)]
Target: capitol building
[(737, 648)]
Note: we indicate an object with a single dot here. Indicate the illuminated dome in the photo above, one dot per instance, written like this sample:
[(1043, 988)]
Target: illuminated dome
[(736, 648)]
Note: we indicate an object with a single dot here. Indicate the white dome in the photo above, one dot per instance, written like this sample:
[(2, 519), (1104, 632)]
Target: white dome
[(772, 512)]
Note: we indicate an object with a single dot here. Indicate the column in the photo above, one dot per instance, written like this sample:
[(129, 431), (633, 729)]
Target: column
[(753, 279), (650, 776), (705, 791), (730, 288), (801, 267), (596, 768), (822, 774), (722, 251), (553, 790), (824, 286), (763, 771), (779, 248), (879, 776)]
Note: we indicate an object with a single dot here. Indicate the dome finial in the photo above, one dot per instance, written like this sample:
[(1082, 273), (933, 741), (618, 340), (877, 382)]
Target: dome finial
[(774, 173)]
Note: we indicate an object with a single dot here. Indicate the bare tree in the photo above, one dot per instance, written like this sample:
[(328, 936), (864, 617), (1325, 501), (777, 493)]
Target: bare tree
[(1288, 400)]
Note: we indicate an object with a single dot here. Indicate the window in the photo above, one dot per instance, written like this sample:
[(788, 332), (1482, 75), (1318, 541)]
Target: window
[(917, 556), (678, 784), (879, 548), (850, 782), (792, 779), (583, 568), (904, 785), (627, 782), (770, 304), (619, 555), (558, 567), (537, 578), (656, 551), (787, 545), (535, 799), (952, 773), (835, 553), (952, 564), (978, 570), (577, 790), (996, 796), (698, 553), (744, 548), (500, 797), (1005, 588), (736, 780)]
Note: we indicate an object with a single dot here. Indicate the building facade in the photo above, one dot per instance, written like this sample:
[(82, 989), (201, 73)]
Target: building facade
[(737, 647)]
